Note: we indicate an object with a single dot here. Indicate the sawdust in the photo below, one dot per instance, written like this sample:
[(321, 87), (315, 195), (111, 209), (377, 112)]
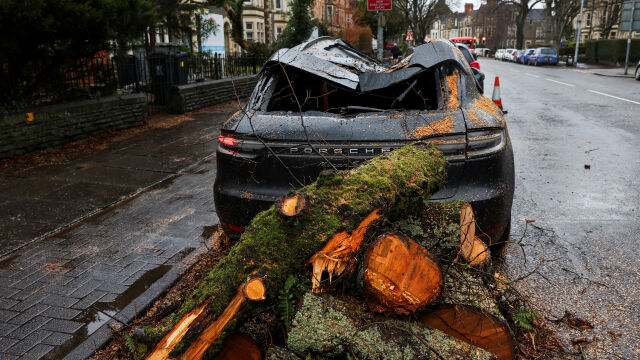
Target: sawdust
[(445, 125), (472, 116), (452, 85), (485, 104)]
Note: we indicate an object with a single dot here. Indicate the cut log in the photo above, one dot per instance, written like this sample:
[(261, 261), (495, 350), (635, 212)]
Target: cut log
[(169, 342), (254, 289), (198, 347), (400, 275), (240, 347), (291, 206), (282, 247), (339, 252), (331, 328), (472, 326), (473, 250), (467, 310)]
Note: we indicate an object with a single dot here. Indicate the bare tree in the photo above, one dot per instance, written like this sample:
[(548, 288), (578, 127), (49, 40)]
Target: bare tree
[(610, 16), (418, 14), (560, 14), (523, 7)]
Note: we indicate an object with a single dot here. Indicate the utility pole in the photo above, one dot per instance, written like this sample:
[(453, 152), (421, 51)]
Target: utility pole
[(575, 55), (380, 35), (626, 59)]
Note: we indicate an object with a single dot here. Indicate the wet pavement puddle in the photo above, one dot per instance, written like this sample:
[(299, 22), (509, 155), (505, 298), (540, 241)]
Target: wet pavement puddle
[(103, 312)]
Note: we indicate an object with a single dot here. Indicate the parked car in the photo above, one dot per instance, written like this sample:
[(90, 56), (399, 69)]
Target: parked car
[(472, 59), (524, 57), (499, 54), (638, 71), (359, 109), (543, 56), (484, 52), (508, 54), (516, 56)]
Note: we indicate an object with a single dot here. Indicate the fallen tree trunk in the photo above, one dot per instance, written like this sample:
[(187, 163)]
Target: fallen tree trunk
[(399, 275), (326, 327), (467, 311), (282, 247), (240, 347)]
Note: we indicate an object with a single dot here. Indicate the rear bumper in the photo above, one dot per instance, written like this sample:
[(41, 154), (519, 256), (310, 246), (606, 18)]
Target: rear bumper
[(487, 183), (544, 61)]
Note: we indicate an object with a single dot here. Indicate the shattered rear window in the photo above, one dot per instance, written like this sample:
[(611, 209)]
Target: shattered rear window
[(295, 90)]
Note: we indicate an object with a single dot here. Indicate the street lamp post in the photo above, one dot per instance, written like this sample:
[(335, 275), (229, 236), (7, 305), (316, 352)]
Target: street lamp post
[(575, 55)]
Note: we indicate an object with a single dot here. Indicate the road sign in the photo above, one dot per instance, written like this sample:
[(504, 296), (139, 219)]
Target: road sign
[(409, 36), (378, 5), (625, 17)]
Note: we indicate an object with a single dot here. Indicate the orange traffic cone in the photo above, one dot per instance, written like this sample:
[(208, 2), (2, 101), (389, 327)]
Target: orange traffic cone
[(496, 93)]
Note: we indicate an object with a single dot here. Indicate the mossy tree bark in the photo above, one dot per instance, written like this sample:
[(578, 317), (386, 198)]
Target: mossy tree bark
[(327, 327), (281, 246)]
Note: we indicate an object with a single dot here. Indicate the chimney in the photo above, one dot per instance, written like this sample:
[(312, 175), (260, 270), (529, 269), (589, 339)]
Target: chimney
[(468, 8)]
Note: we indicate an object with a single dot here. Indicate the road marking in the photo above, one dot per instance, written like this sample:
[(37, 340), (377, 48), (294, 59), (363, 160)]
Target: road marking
[(615, 97), (535, 76), (560, 82)]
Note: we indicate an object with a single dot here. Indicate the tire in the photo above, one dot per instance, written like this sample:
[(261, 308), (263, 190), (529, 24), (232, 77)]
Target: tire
[(504, 239), (638, 73)]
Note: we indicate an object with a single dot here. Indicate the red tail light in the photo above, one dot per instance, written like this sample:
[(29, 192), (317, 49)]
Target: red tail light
[(227, 140), (235, 227), (475, 64)]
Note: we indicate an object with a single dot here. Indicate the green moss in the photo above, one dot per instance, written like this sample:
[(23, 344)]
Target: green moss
[(282, 246), (329, 328)]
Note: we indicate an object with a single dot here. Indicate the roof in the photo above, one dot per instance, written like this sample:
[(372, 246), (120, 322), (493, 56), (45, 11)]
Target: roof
[(336, 61)]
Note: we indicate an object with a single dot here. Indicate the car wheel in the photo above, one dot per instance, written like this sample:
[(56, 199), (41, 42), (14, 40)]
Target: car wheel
[(638, 73)]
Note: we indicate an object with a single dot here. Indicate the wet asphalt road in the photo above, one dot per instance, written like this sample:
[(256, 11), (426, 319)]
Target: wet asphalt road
[(587, 221)]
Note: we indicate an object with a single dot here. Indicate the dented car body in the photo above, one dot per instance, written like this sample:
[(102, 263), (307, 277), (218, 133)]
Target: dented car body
[(325, 105)]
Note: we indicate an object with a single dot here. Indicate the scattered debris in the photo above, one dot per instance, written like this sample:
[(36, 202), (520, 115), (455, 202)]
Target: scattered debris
[(587, 166)]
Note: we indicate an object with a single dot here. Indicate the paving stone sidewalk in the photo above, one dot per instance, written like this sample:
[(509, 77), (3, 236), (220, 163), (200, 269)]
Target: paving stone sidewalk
[(59, 294)]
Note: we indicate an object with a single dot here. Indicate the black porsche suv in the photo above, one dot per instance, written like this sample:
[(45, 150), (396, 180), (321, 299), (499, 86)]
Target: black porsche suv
[(325, 105)]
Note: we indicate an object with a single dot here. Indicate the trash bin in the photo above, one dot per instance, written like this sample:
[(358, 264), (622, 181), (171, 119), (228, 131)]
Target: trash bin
[(569, 61), (127, 72), (179, 68), (159, 76)]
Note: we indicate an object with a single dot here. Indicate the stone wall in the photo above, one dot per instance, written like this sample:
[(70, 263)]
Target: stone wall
[(55, 125), (184, 98)]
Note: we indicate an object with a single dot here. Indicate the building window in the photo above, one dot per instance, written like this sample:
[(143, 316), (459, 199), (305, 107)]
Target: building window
[(588, 21), (248, 26), (278, 5), (250, 36)]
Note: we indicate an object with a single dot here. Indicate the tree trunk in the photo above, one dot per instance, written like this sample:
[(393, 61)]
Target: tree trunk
[(325, 327), (468, 312), (240, 347), (521, 19), (400, 275), (280, 247)]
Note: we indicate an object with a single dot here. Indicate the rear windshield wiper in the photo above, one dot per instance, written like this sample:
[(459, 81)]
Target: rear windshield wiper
[(352, 108)]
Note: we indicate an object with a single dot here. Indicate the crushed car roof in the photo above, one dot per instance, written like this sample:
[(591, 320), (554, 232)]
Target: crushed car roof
[(339, 62)]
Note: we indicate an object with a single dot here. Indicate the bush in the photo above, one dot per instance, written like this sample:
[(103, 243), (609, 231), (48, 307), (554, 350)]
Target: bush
[(571, 50), (611, 52)]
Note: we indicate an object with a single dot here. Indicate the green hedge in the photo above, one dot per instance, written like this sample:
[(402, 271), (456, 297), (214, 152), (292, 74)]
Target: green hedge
[(571, 50), (611, 52)]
